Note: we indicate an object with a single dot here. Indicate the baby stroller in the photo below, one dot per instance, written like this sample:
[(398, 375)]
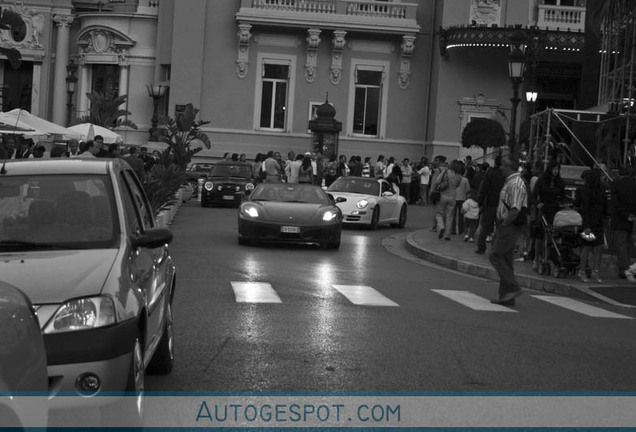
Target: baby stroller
[(561, 244)]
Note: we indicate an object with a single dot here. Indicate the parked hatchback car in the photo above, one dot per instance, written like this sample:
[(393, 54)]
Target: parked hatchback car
[(22, 363), (228, 183), (79, 238)]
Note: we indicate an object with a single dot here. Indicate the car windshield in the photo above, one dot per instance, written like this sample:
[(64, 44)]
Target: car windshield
[(46, 212), (354, 185), (298, 193), (227, 170), (199, 167)]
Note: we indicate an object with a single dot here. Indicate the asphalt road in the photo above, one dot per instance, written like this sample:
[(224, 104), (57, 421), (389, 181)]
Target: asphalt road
[(316, 339)]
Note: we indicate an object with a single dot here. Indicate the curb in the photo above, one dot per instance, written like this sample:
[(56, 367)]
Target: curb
[(535, 283)]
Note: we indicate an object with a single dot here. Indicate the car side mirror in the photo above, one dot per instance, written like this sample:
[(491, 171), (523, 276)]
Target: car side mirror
[(387, 194), (153, 238)]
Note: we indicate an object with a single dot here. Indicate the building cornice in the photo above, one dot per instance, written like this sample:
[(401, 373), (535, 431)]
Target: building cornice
[(498, 37)]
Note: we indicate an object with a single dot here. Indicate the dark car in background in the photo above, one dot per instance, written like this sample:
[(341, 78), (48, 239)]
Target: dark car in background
[(228, 183), (196, 171)]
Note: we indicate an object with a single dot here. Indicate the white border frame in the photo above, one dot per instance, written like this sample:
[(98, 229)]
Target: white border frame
[(273, 58), (375, 65)]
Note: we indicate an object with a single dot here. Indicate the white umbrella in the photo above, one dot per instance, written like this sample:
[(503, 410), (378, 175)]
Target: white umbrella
[(24, 119), (84, 130)]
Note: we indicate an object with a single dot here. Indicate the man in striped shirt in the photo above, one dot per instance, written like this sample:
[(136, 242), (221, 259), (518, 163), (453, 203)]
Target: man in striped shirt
[(512, 198)]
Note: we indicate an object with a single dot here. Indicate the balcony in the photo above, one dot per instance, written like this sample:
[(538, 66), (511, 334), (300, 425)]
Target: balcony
[(352, 15), (561, 16)]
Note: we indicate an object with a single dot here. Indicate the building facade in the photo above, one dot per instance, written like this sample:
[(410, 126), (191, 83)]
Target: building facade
[(403, 77)]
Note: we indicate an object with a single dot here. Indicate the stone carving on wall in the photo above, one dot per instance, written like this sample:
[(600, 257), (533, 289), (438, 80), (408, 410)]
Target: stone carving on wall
[(485, 12), (100, 42), (313, 40), (338, 42), (97, 42), (26, 29), (242, 60), (404, 75)]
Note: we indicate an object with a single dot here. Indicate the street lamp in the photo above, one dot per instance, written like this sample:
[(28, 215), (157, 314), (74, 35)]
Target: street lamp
[(71, 81), (516, 65), (156, 92)]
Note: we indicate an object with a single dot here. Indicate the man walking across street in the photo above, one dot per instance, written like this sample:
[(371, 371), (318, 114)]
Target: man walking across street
[(488, 201), (512, 199)]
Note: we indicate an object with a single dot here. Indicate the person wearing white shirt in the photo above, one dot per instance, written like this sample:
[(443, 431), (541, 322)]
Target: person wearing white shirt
[(293, 169), (425, 178)]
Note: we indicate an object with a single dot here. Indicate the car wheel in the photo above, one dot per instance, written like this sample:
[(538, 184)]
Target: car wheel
[(163, 359), (402, 218), (243, 241), (375, 218), (129, 411)]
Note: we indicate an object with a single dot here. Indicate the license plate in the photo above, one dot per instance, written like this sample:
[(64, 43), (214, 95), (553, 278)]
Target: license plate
[(228, 197), (290, 229)]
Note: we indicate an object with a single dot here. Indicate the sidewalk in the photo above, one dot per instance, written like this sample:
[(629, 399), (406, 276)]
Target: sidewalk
[(459, 255)]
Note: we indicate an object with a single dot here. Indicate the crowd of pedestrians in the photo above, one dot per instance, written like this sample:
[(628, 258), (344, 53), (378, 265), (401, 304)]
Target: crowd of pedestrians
[(140, 159), (409, 179)]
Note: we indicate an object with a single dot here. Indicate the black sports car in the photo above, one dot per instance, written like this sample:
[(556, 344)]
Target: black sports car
[(227, 184), (290, 213)]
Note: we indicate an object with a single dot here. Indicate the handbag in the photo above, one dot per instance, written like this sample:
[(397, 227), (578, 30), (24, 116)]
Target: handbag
[(436, 195)]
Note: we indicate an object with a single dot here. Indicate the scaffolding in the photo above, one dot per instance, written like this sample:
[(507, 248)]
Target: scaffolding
[(617, 65), (579, 138)]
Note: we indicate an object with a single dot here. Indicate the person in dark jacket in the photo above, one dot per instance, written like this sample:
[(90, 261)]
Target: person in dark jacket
[(623, 213), (547, 195), (593, 210), (488, 201)]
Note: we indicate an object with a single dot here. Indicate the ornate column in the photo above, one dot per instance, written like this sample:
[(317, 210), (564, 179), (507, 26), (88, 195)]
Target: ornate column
[(313, 40), (244, 50), (35, 86), (83, 87), (61, 60), (336, 56), (408, 45), (124, 69)]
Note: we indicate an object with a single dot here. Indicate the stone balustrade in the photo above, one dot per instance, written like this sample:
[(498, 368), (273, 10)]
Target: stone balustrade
[(561, 17)]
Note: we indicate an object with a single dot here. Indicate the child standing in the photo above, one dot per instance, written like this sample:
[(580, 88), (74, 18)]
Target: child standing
[(470, 211)]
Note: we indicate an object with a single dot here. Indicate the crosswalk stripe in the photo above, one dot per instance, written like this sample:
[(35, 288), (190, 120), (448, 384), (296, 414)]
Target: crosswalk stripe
[(473, 301), (364, 295), (255, 292), (580, 307)]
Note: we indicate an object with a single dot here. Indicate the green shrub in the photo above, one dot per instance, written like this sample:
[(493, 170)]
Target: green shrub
[(162, 185)]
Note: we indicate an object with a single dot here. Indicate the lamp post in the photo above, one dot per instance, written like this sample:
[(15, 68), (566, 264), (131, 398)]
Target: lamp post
[(516, 65), (156, 92), (71, 81)]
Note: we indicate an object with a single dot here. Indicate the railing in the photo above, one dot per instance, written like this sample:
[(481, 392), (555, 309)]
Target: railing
[(316, 6), (361, 8), (562, 17)]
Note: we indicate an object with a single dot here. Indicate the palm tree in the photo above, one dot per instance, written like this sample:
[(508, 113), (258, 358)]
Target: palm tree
[(180, 135), (105, 111)]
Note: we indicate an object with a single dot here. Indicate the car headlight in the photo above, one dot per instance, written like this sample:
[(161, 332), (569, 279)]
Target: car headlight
[(82, 314), (362, 204), (249, 186), (329, 215), (251, 211), (208, 186)]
